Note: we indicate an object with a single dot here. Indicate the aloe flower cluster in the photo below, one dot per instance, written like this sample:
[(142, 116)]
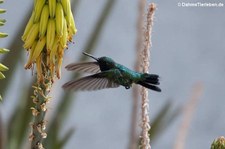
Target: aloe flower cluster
[(51, 26), (2, 50)]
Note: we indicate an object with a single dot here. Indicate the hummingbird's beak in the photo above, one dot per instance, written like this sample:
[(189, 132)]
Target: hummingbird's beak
[(90, 56)]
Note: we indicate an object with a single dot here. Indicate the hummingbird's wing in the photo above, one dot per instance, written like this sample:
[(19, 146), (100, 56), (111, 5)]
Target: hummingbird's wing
[(90, 67), (94, 82)]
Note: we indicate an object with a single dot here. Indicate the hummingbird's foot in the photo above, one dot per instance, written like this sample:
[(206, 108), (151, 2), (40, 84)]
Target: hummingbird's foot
[(127, 87)]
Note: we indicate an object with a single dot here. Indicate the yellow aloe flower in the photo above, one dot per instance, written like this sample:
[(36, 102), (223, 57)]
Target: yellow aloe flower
[(48, 31)]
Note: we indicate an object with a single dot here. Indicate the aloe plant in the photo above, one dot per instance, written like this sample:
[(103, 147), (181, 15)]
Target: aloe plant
[(47, 33), (2, 50)]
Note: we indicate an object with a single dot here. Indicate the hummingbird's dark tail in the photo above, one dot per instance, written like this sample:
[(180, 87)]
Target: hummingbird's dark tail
[(150, 81)]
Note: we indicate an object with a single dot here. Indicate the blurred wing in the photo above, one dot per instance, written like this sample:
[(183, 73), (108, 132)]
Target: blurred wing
[(93, 82), (90, 67)]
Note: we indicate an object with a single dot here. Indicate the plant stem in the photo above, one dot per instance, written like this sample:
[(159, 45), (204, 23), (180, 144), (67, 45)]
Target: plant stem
[(145, 143), (40, 99)]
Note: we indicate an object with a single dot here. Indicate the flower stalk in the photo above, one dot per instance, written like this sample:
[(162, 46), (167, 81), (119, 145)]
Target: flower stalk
[(145, 143), (49, 30), (40, 99)]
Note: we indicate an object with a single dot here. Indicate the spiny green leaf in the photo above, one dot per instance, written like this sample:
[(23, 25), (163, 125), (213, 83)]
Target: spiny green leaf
[(163, 119), (2, 11), (3, 67), (2, 20), (2, 76), (3, 35), (1, 23), (12, 58), (3, 50)]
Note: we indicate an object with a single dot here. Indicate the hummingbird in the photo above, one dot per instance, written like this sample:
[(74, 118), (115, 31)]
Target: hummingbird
[(106, 73)]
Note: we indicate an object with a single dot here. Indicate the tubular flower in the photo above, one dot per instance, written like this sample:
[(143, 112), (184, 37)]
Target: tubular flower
[(48, 31), (2, 50)]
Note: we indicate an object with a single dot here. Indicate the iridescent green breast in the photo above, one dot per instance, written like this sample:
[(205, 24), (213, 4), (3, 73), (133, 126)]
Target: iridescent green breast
[(124, 76)]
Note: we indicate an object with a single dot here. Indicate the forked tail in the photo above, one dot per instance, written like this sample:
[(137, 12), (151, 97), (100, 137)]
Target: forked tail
[(150, 81)]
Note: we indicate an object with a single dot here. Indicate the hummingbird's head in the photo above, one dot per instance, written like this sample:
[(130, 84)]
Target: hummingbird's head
[(105, 63)]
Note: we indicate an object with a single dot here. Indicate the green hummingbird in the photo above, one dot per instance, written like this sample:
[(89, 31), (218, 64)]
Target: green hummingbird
[(108, 74)]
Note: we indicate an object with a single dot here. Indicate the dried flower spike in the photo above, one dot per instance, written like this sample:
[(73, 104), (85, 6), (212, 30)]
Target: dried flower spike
[(145, 141)]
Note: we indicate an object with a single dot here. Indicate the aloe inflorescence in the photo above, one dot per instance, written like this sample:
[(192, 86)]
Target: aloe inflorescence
[(49, 29), (2, 50), (47, 34)]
